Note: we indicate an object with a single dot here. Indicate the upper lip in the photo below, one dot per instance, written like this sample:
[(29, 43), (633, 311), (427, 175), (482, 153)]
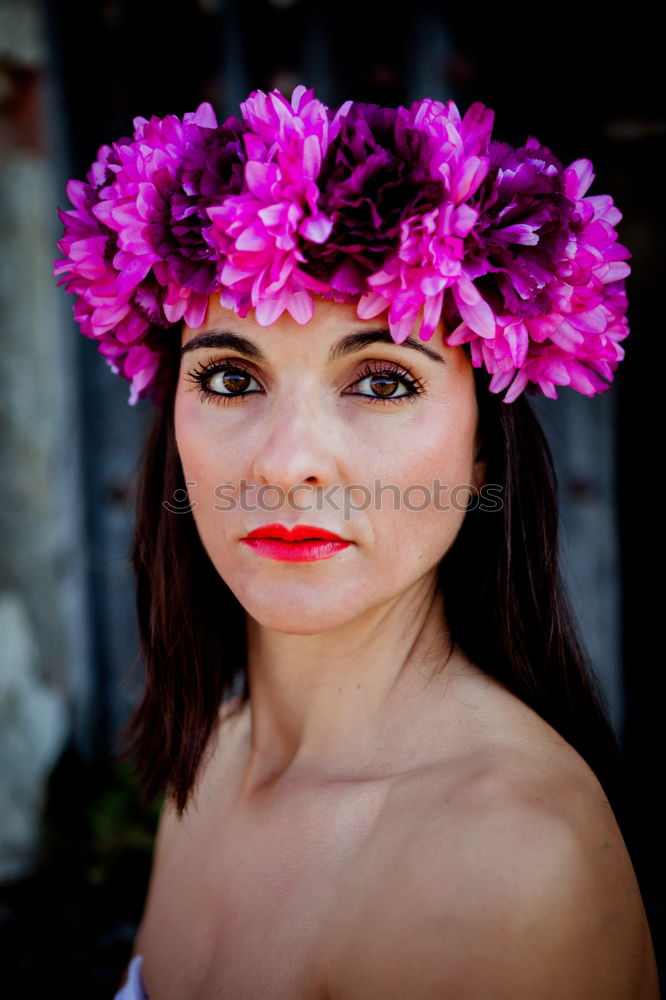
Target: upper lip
[(296, 534)]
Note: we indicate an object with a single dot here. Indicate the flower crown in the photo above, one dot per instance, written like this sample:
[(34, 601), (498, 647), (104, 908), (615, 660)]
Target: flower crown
[(411, 210)]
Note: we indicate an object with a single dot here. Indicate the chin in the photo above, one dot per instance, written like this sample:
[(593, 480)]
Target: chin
[(297, 610), (302, 622)]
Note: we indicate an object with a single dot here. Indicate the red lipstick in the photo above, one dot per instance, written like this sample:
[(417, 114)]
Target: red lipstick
[(304, 543)]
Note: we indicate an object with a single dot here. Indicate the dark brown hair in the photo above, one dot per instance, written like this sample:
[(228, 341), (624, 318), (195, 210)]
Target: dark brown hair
[(504, 600)]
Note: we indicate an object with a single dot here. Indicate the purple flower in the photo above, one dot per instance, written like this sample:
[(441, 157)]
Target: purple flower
[(575, 340), (525, 224), (373, 179), (429, 255), (211, 168)]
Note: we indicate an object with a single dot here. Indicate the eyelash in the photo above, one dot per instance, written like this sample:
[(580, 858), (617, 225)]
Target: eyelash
[(204, 372)]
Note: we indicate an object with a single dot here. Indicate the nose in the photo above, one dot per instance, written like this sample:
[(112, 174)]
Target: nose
[(298, 443)]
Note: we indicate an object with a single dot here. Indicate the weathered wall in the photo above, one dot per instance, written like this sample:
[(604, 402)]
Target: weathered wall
[(43, 621), (581, 433)]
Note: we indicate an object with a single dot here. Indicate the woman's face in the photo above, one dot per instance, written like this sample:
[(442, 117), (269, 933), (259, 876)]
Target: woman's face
[(327, 426)]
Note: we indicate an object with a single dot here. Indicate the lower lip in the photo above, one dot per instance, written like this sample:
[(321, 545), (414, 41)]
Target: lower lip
[(306, 551)]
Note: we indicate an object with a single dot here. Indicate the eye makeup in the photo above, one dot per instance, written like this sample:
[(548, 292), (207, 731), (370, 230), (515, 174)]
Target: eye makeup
[(234, 376)]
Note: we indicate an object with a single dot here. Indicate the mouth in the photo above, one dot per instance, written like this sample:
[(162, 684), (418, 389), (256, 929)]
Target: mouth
[(304, 543)]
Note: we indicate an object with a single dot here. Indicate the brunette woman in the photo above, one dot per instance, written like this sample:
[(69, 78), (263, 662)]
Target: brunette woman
[(387, 768)]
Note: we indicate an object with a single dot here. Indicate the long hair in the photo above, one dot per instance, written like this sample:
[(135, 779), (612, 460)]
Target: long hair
[(504, 602)]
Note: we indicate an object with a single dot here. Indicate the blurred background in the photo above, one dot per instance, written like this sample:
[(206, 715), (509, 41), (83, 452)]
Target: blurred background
[(75, 840)]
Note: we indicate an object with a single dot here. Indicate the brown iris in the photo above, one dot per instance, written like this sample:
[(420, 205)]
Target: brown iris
[(384, 384)]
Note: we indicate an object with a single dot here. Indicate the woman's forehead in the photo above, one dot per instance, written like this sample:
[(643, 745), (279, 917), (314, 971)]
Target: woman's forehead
[(333, 328)]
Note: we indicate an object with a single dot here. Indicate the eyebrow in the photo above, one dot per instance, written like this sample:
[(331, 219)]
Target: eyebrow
[(350, 344)]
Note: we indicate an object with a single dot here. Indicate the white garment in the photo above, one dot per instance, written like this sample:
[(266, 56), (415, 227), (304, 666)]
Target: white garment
[(133, 988)]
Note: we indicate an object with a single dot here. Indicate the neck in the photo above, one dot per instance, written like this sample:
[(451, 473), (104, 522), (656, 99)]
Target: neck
[(347, 701)]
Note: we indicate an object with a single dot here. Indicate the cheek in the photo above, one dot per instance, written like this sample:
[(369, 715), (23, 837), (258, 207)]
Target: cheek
[(213, 465), (435, 454), (435, 474), (425, 491), (208, 459)]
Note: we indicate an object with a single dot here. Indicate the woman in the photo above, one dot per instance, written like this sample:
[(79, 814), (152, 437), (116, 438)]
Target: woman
[(388, 773)]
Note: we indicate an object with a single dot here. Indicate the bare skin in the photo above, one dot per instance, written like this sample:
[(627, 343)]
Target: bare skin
[(382, 820), (307, 888)]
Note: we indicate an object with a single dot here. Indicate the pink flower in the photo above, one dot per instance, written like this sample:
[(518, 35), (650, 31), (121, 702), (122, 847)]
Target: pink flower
[(140, 365), (258, 232), (105, 297), (129, 256), (138, 207)]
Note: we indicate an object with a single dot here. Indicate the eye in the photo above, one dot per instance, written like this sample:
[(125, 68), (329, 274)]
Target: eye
[(222, 381), (385, 379)]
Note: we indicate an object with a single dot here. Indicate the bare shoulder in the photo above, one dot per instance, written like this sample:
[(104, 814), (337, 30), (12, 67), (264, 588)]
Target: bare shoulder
[(512, 881), (176, 831), (167, 831)]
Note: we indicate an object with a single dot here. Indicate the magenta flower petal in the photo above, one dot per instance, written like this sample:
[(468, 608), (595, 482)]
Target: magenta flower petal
[(432, 314), (175, 311), (301, 307), (267, 311), (132, 275), (317, 228), (196, 311), (401, 323), (474, 310), (204, 116), (371, 305)]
